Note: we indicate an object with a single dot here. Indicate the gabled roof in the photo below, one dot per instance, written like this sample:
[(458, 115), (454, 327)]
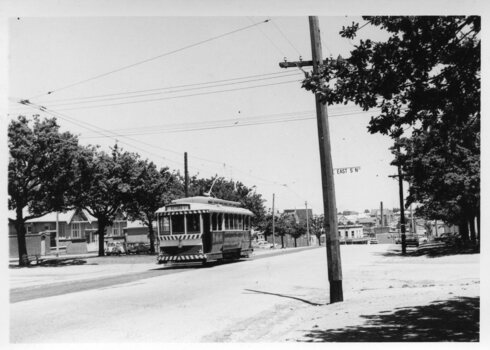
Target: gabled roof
[(51, 217)]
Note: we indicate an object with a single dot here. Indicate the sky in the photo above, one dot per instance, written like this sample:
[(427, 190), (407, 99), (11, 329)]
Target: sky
[(165, 85)]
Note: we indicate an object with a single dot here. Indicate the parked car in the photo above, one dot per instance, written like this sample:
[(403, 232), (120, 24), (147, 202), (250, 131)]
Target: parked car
[(264, 244), (412, 240), (138, 248), (114, 249), (373, 241)]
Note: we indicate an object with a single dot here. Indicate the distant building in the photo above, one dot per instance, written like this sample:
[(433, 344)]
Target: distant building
[(300, 215), (350, 231)]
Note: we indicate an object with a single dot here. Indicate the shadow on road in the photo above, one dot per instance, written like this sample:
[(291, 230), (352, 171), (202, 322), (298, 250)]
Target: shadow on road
[(432, 252), (455, 319), (285, 296)]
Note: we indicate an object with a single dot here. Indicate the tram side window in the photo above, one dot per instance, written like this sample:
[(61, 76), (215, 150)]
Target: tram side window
[(228, 221), (240, 222), (214, 221), (178, 224), (246, 222), (193, 223), (165, 225), (220, 221)]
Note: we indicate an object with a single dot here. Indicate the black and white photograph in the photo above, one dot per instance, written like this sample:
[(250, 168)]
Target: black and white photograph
[(243, 172)]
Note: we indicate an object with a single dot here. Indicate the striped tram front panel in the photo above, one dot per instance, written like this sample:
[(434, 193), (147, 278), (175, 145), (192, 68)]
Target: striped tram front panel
[(183, 247), (180, 237)]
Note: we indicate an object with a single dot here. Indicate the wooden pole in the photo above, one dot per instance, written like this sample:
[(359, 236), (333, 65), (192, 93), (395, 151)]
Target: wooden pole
[(402, 209), (328, 188), (186, 176), (273, 222), (307, 225), (57, 235)]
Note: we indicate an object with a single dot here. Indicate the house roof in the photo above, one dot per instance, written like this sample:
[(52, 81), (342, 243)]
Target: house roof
[(51, 217), (300, 214)]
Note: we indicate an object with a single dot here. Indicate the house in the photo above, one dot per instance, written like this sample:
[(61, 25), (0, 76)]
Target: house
[(77, 232), (300, 215), (350, 231)]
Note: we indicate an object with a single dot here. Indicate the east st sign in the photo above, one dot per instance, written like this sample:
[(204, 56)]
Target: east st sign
[(351, 170)]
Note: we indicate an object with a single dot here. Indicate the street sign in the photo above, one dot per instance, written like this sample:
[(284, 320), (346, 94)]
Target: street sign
[(350, 170)]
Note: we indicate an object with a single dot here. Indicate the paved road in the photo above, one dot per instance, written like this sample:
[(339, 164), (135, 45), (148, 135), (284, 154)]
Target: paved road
[(66, 287), (192, 305)]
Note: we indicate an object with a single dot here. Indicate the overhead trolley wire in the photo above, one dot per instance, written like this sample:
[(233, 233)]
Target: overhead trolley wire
[(230, 123), (167, 91), (270, 40), (273, 75), (149, 59), (285, 37), (181, 96), (104, 132)]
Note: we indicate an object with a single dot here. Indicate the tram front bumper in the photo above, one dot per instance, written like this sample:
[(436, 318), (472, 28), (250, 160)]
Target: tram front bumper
[(181, 258)]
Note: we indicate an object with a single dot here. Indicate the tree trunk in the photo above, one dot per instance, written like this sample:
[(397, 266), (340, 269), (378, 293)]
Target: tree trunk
[(282, 241), (21, 238), (295, 245), (152, 237), (101, 233), (472, 230), (463, 230), (478, 226)]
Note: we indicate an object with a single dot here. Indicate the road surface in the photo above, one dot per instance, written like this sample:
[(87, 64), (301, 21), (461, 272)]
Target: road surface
[(270, 299)]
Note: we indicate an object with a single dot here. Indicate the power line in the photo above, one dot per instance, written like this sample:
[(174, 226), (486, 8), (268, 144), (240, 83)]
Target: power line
[(150, 59), (167, 92), (281, 73), (181, 96), (285, 37), (270, 40), (229, 123)]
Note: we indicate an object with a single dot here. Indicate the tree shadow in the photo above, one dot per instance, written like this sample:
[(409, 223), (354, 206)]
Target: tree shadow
[(456, 319), (285, 296), (432, 251)]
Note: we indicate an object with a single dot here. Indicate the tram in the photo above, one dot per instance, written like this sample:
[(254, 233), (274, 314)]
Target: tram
[(203, 229)]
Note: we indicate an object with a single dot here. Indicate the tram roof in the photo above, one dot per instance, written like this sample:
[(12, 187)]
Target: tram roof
[(201, 204)]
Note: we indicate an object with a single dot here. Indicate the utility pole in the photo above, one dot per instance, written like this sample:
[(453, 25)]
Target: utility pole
[(186, 176), (57, 235), (328, 188), (307, 225), (273, 222), (381, 212), (402, 206), (414, 229)]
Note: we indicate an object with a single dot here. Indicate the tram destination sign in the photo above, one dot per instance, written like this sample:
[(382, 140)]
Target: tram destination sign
[(177, 207), (349, 170)]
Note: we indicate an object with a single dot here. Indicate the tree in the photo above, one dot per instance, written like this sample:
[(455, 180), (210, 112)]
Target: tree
[(106, 189), (232, 191), (41, 172), (153, 190), (286, 225), (298, 231), (266, 225), (316, 227), (425, 76)]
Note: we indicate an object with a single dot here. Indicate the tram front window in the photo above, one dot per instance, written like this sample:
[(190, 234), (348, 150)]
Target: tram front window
[(178, 224), (193, 223), (165, 225)]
